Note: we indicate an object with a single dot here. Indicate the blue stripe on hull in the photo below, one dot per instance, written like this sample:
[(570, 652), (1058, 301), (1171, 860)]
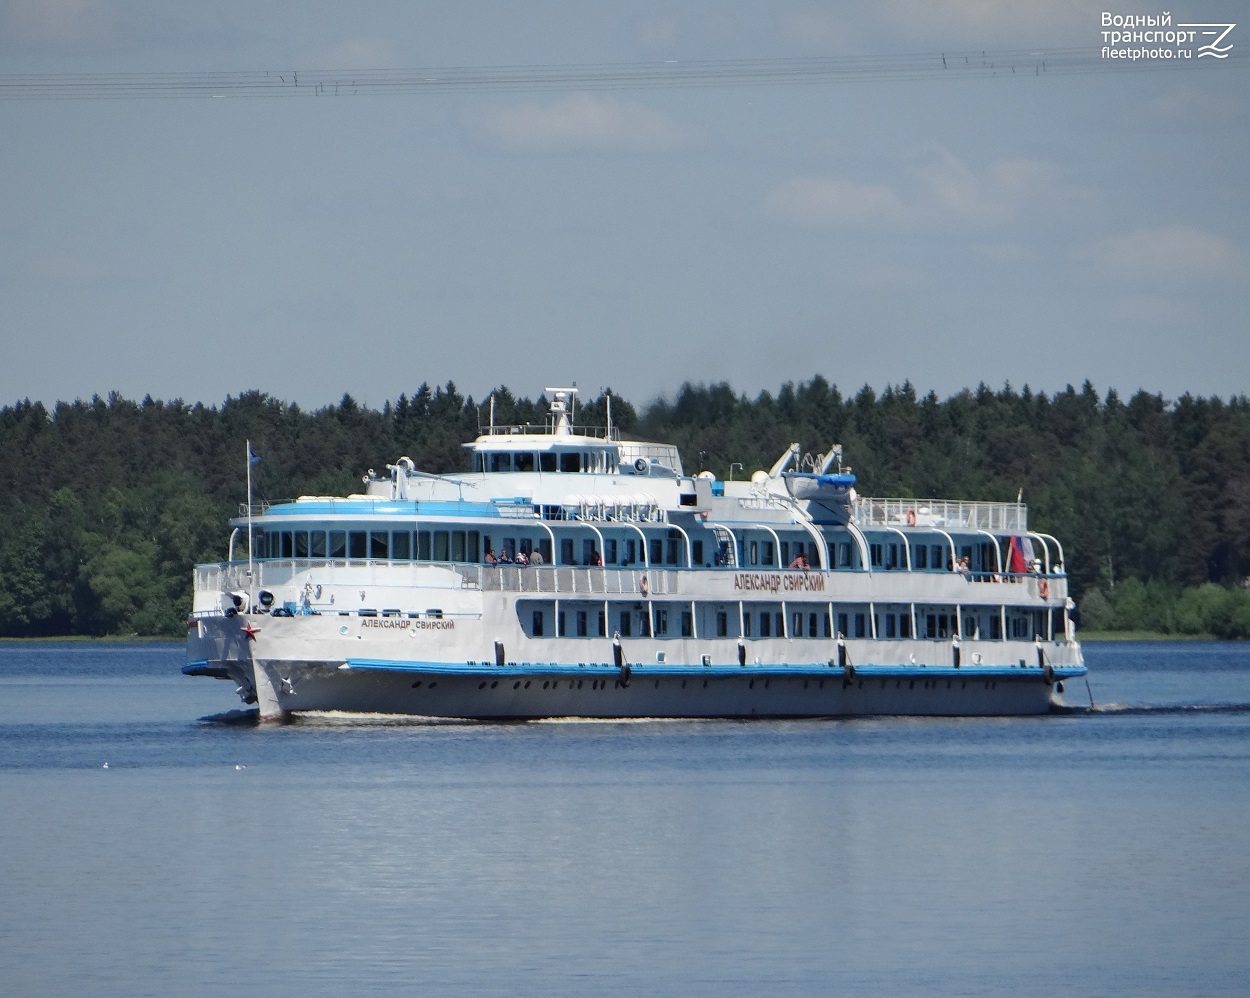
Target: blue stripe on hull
[(745, 671)]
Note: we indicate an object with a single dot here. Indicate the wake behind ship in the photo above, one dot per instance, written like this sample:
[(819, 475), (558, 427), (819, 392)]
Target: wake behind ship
[(574, 573)]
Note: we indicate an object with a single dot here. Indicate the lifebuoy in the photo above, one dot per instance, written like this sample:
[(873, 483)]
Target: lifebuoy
[(1043, 590), (911, 518)]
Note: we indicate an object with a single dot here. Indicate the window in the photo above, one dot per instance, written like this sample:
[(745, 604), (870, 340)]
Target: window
[(768, 553), (828, 625), (904, 625), (423, 545), (755, 552), (780, 621), (970, 627), (522, 462), (566, 551), (501, 462), (657, 551), (697, 548), (996, 628), (874, 552), (921, 558), (936, 559), (379, 545), (301, 544), (288, 545), (796, 625), (861, 625), (560, 623), (317, 544), (581, 623), (661, 620), (338, 544), (401, 545), (625, 620), (441, 545), (357, 545), (766, 625), (811, 625), (473, 545), (609, 552), (538, 623), (785, 552), (588, 552), (674, 557), (687, 624), (722, 624), (570, 462), (844, 554), (889, 625), (457, 545), (603, 624), (546, 462), (843, 627), (630, 553), (746, 625)]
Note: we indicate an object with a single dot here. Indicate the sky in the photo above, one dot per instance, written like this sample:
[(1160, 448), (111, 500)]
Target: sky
[(1020, 228)]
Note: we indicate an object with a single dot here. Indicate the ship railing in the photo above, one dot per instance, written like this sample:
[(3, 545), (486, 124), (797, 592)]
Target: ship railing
[(945, 514), (567, 580), (233, 576)]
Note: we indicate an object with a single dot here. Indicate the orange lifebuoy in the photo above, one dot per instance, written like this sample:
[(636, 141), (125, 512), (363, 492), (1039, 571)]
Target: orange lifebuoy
[(1043, 590), (911, 518)]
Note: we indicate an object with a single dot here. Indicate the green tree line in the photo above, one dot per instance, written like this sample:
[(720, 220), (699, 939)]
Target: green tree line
[(106, 504)]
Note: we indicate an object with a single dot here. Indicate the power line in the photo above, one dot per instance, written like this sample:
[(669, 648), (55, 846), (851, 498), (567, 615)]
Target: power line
[(981, 64)]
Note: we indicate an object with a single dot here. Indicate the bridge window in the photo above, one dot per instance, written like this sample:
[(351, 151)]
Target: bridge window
[(547, 461), (501, 462), (301, 544), (379, 545), (522, 462), (317, 544), (457, 545), (570, 462), (441, 545), (357, 545), (423, 545), (338, 544), (401, 545)]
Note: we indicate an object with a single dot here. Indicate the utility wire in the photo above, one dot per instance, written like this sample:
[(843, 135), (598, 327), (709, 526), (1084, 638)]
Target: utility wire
[(981, 64)]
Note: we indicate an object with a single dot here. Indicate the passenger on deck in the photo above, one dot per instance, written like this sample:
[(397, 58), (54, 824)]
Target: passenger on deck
[(490, 558), (536, 557), (962, 567), (504, 557), (800, 562), (596, 559), (521, 559)]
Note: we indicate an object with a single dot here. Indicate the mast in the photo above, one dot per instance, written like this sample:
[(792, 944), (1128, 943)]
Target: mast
[(248, 461)]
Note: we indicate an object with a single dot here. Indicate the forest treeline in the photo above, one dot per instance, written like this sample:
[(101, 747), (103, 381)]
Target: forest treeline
[(106, 504)]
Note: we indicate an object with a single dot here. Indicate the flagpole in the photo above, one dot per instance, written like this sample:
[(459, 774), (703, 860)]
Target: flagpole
[(248, 460)]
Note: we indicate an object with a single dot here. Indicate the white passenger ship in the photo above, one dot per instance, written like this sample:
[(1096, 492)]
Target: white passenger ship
[(573, 572)]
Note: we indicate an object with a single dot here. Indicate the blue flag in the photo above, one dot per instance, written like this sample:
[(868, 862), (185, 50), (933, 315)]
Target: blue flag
[(252, 456)]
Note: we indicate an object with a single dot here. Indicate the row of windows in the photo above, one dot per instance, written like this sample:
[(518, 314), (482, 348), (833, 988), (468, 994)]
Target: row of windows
[(673, 619), (472, 546), (593, 461), (371, 545)]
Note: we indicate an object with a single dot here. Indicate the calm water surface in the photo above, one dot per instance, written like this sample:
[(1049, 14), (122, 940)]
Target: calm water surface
[(1102, 851)]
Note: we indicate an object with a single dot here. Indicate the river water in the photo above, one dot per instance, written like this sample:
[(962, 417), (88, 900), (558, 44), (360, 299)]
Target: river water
[(1092, 852)]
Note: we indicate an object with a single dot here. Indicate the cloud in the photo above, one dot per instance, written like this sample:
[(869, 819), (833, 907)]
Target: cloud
[(816, 30), (1175, 254), (823, 202), (584, 121), (968, 23), (67, 24), (361, 53)]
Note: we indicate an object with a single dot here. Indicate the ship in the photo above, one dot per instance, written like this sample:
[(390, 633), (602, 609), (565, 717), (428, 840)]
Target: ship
[(576, 572)]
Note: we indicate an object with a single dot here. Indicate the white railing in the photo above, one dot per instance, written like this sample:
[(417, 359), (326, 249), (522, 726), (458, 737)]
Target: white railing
[(945, 514), (232, 576)]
